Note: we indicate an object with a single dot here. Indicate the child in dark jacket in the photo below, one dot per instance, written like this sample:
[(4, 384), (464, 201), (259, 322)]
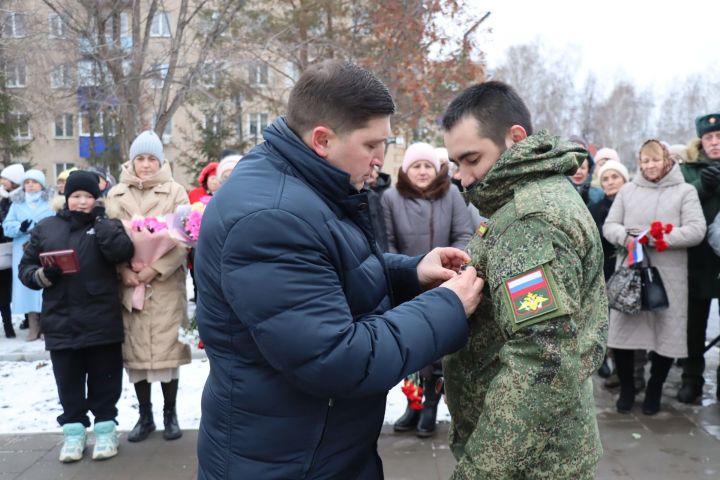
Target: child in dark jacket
[(81, 316)]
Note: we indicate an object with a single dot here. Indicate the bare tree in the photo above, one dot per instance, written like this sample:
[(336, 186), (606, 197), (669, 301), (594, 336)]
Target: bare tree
[(138, 83)]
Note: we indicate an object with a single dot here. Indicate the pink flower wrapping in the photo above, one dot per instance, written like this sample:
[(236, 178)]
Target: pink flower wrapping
[(185, 222), (151, 239)]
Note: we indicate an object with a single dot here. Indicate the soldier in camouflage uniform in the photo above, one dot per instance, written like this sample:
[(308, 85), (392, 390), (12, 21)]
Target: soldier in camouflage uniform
[(520, 392)]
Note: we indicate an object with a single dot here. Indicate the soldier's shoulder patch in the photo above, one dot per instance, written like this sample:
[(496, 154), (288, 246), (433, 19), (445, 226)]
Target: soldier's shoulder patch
[(533, 297)]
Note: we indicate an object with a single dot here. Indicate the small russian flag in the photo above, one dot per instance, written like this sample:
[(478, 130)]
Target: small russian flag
[(635, 250)]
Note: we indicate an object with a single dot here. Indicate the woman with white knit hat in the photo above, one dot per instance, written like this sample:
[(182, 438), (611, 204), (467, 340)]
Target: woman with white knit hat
[(423, 211), (29, 205), (151, 350), (11, 178)]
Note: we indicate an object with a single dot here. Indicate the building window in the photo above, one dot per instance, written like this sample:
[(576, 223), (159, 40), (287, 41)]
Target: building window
[(56, 26), (89, 74), (22, 126), (160, 26), (211, 74), (212, 122), (159, 72), (257, 73), (64, 125), (256, 124), (14, 25), (60, 76), (15, 75), (61, 167), (99, 120)]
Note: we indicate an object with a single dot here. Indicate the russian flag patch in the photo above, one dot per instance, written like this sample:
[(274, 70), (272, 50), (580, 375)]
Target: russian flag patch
[(531, 295)]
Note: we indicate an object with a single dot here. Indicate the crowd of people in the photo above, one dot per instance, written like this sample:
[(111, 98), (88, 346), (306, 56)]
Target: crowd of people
[(480, 274)]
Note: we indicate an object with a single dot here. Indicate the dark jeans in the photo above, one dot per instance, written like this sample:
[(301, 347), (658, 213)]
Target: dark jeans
[(101, 368), (694, 365)]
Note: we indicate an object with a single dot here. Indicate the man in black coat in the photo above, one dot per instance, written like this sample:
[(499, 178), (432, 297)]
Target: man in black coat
[(303, 333)]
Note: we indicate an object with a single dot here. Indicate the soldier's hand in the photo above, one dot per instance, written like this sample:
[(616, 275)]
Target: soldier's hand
[(468, 287), (710, 177)]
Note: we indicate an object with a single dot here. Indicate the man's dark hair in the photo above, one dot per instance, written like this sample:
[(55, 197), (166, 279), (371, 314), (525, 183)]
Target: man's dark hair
[(495, 105), (339, 95)]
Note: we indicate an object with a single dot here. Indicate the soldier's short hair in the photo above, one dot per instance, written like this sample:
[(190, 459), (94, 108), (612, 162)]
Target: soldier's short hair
[(339, 95), (495, 105)]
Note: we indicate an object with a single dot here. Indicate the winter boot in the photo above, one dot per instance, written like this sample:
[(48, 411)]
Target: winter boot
[(8, 326), (689, 393), (172, 429), (34, 330), (659, 368), (144, 426), (74, 443), (428, 415), (408, 421), (612, 381), (604, 371), (624, 366), (106, 440)]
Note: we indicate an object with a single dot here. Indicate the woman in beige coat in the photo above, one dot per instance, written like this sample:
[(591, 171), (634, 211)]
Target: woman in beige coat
[(151, 350), (658, 193)]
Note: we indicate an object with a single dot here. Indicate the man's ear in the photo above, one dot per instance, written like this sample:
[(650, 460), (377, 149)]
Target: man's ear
[(318, 139), (515, 134)]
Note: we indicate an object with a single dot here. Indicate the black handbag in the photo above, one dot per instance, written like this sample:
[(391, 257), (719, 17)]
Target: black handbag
[(624, 289), (653, 294)]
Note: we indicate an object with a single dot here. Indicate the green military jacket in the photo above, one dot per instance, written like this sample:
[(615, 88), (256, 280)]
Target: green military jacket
[(703, 264), (520, 393)]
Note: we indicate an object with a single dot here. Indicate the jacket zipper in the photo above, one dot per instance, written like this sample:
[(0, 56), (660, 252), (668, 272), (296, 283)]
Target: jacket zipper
[(331, 403)]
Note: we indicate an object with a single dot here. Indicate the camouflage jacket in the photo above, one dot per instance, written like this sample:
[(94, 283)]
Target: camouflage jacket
[(519, 392)]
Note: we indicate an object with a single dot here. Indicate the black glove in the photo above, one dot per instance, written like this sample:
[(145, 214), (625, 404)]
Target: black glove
[(710, 177), (25, 225), (53, 273), (98, 213)]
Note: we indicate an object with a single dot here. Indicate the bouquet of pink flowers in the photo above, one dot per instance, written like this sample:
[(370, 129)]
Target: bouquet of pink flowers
[(185, 223), (151, 239)]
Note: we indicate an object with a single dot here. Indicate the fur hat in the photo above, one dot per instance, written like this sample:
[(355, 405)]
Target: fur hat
[(147, 143), (420, 151), (679, 150), (85, 181), (707, 123), (15, 173), (617, 166), (36, 175), (227, 164)]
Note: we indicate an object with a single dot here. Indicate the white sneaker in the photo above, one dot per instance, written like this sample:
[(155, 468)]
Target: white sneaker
[(74, 445), (106, 440)]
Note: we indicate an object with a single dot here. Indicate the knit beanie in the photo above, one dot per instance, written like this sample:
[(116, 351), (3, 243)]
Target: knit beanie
[(227, 163), (36, 175), (617, 166), (85, 181), (607, 154), (15, 173), (420, 151), (147, 143)]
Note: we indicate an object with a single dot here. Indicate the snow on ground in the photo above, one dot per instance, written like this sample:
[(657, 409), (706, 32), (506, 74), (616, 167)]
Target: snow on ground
[(29, 401)]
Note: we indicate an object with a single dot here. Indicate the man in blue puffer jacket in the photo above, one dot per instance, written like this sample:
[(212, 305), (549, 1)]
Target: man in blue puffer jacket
[(302, 316)]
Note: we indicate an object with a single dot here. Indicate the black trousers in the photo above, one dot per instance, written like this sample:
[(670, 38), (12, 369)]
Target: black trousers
[(100, 369), (694, 365)]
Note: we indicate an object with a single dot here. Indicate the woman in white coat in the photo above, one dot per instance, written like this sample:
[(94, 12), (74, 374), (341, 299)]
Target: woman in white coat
[(657, 193)]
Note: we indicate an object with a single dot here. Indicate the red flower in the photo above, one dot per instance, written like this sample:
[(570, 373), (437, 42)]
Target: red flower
[(668, 227), (201, 345), (656, 229), (414, 394), (643, 240), (661, 245)]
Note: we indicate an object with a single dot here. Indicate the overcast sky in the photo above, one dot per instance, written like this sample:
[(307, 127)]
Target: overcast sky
[(649, 42)]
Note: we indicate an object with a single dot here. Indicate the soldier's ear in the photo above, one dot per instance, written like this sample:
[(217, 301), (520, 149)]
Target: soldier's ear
[(515, 134)]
